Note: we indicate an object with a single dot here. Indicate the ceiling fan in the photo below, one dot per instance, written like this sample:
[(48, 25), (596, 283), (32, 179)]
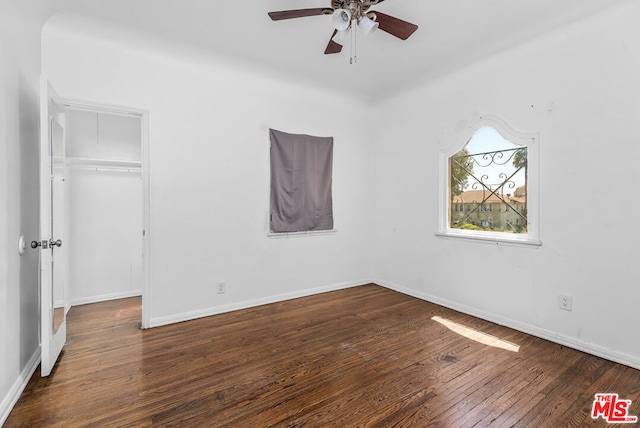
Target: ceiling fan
[(346, 14)]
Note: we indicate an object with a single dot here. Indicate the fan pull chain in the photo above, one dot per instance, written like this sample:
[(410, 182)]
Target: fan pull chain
[(353, 44)]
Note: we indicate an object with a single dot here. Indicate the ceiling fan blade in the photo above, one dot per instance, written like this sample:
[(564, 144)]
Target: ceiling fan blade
[(333, 47), (299, 13), (394, 26)]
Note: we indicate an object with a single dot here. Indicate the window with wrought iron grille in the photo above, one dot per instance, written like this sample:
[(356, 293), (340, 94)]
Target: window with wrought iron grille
[(488, 186)]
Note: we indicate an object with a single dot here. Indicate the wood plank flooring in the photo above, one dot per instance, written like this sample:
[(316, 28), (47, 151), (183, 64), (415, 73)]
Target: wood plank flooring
[(361, 357)]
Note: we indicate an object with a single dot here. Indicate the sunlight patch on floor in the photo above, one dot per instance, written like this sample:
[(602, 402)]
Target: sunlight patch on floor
[(478, 336)]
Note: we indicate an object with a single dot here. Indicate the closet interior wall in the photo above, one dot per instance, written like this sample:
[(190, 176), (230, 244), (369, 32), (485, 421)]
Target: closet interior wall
[(103, 206)]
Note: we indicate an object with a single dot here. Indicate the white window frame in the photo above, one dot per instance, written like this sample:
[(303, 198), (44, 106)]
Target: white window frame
[(531, 141)]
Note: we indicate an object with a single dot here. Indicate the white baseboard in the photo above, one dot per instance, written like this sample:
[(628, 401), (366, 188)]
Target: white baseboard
[(568, 341), (157, 322), (105, 297), (18, 386)]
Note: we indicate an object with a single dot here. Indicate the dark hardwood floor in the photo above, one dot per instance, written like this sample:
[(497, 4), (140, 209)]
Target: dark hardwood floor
[(360, 357)]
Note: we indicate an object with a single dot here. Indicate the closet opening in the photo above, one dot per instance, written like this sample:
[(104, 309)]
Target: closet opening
[(106, 205)]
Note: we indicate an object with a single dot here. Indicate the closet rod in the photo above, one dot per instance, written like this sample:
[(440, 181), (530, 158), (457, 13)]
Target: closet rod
[(106, 169)]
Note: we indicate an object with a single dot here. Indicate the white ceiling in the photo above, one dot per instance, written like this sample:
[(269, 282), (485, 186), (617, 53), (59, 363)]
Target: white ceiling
[(452, 34)]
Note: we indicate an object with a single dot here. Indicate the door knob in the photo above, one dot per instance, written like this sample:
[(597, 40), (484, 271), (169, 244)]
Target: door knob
[(35, 244), (57, 243)]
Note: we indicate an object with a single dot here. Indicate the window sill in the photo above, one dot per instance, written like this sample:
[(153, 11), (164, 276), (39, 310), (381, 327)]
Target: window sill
[(490, 238), (287, 235)]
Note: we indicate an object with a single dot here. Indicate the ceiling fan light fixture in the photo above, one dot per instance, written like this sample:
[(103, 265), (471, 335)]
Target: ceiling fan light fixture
[(341, 37), (341, 19), (343, 14), (367, 25)]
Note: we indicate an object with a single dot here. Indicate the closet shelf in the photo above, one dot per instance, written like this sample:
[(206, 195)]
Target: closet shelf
[(116, 165)]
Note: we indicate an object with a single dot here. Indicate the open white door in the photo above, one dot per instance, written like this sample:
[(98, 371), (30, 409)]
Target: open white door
[(52, 273)]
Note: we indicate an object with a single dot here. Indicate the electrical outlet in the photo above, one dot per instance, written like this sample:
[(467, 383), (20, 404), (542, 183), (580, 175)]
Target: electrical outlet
[(222, 287), (565, 302)]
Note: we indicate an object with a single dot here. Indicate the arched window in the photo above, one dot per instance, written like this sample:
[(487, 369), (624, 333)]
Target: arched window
[(494, 175)]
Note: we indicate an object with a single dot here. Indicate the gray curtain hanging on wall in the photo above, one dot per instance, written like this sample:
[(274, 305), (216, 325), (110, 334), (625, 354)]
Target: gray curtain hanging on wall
[(301, 168)]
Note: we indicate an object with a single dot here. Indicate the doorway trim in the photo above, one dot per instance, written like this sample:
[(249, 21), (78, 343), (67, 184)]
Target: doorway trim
[(143, 114)]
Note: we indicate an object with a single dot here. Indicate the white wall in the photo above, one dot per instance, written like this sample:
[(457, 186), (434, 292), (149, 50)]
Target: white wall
[(19, 118), (209, 169), (104, 235), (578, 87)]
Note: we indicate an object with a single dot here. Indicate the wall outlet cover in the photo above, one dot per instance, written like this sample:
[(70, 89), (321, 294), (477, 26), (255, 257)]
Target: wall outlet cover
[(221, 287), (565, 302)]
